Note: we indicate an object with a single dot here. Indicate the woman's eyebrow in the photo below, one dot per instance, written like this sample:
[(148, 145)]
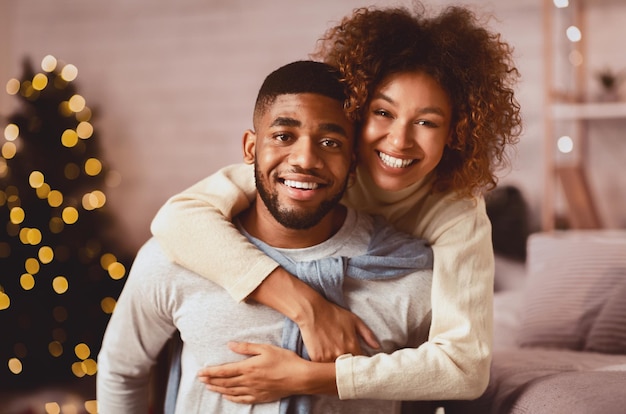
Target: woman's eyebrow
[(426, 110)]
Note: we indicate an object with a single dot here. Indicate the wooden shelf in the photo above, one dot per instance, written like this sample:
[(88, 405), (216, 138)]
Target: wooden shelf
[(591, 110)]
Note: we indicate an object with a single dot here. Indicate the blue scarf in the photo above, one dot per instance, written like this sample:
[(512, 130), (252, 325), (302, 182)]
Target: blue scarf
[(390, 254)]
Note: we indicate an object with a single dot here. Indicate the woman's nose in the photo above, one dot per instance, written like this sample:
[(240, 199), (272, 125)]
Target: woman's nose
[(400, 137)]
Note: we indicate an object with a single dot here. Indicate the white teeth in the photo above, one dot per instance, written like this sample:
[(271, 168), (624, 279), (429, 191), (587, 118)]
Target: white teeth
[(393, 161), (301, 185)]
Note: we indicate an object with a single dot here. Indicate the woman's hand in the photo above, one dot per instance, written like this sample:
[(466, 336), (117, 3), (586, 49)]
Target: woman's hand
[(271, 373), (328, 330)]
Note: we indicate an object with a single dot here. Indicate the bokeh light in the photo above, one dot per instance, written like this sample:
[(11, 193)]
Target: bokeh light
[(49, 63)]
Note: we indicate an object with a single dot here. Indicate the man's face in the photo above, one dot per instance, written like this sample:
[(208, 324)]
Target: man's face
[(303, 155)]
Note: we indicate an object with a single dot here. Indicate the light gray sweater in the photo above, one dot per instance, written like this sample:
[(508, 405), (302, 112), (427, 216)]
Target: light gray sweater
[(161, 297)]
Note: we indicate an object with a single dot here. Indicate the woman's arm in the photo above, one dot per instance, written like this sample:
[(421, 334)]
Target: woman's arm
[(269, 374), (195, 230), (454, 362)]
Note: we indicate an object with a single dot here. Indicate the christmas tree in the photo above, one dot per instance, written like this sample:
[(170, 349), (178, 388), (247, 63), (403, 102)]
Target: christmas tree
[(61, 269)]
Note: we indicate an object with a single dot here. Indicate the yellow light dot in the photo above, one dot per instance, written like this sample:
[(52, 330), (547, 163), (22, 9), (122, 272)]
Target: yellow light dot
[(84, 130), (5, 301), (93, 166), (60, 284), (77, 369), (4, 168), (99, 198), (70, 215), (49, 63), (55, 198), (52, 408), (9, 150), (56, 225), (76, 103), (69, 138), (34, 236), (43, 191), (90, 367), (69, 73), (17, 215), (106, 260), (32, 266), (11, 132), (108, 305), (116, 270), (13, 86), (82, 351), (27, 281), (46, 254), (91, 406), (15, 366), (36, 179), (40, 81), (24, 235)]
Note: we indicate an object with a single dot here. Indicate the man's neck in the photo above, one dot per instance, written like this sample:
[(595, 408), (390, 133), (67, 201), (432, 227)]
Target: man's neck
[(264, 227)]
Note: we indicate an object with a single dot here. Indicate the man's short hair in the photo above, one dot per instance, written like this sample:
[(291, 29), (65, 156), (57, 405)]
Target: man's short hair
[(304, 76)]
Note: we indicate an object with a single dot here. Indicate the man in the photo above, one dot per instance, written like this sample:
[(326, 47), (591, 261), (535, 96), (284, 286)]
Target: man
[(302, 152)]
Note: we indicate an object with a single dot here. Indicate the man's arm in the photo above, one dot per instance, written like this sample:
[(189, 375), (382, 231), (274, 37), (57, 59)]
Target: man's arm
[(136, 333), (195, 229)]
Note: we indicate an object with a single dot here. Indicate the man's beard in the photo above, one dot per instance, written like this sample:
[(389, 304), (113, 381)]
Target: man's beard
[(296, 220)]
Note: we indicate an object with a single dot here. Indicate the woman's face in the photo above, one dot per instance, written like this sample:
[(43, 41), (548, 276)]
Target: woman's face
[(407, 126)]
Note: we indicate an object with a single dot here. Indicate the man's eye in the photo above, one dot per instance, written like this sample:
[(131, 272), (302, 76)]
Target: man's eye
[(282, 137), (330, 143)]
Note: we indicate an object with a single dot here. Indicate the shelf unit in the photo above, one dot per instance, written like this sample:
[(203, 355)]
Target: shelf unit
[(569, 173)]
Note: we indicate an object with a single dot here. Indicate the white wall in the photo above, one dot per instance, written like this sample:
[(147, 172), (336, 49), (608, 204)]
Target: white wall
[(174, 82)]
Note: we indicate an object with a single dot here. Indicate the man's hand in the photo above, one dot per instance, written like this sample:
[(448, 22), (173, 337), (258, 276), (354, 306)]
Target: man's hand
[(271, 373), (328, 330)]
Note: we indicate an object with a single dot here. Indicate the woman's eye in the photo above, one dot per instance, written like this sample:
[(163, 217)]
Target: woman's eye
[(426, 123), (382, 112)]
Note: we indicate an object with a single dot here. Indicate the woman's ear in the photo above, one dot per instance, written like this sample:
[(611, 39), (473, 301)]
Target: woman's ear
[(249, 144)]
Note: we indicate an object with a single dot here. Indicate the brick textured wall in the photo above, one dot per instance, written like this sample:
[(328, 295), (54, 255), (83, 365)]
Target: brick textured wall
[(173, 83)]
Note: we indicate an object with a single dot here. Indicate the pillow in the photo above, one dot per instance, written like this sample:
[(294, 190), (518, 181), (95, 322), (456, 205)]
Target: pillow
[(608, 332), (571, 275)]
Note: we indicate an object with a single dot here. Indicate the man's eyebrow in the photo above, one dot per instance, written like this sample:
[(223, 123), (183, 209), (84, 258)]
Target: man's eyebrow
[(426, 110), (286, 121), (331, 127)]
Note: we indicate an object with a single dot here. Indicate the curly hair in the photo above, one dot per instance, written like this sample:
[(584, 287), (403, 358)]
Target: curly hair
[(473, 65)]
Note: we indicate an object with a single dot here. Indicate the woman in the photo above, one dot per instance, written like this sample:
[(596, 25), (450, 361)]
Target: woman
[(434, 104)]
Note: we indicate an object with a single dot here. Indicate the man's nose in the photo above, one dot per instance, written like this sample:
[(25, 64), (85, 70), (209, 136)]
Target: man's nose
[(305, 154)]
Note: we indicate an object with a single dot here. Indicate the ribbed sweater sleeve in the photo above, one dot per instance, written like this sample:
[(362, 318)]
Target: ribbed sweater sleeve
[(454, 363), (193, 232)]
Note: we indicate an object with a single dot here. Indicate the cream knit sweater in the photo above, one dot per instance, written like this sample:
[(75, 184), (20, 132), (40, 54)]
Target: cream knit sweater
[(454, 362)]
